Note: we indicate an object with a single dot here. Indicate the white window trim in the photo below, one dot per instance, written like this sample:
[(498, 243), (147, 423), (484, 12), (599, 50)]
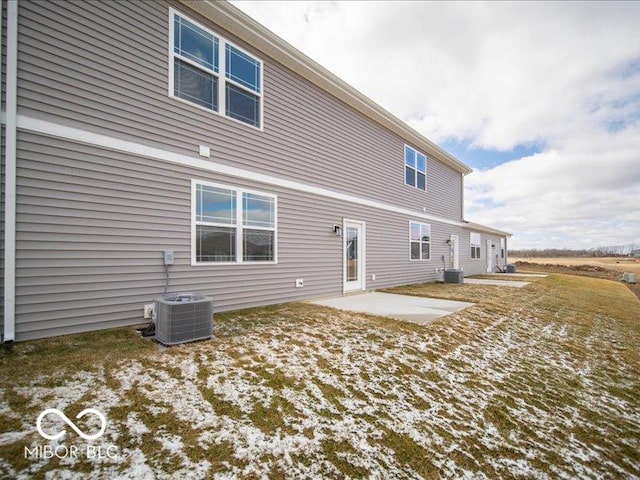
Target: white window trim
[(404, 169), (238, 225), (221, 74), (421, 242)]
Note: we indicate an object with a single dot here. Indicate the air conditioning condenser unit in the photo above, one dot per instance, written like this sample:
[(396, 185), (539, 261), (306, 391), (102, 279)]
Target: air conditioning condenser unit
[(183, 317)]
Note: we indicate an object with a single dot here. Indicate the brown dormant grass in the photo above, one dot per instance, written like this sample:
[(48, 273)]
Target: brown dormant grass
[(537, 382)]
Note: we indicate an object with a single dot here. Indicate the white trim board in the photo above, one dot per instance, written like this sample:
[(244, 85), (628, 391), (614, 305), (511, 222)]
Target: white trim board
[(73, 134), (11, 98)]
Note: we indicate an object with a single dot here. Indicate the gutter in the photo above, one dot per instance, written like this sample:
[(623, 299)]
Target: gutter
[(485, 229), (10, 173)]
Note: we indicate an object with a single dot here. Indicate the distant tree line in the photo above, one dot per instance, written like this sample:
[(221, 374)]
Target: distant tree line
[(610, 251)]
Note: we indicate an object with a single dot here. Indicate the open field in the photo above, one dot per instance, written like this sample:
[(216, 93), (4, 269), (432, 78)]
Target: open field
[(539, 382), (620, 264), (608, 268)]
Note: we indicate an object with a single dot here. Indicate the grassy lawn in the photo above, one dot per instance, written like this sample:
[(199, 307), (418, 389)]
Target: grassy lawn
[(608, 268), (538, 382)]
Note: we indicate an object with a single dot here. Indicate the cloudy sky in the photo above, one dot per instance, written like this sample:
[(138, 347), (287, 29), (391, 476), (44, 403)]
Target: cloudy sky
[(541, 99)]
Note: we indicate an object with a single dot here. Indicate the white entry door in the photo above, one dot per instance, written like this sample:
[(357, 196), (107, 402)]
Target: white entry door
[(353, 255), (454, 252), (489, 255)]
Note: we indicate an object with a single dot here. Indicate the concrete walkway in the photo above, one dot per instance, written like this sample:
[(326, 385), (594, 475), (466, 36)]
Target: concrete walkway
[(497, 283), (402, 307)]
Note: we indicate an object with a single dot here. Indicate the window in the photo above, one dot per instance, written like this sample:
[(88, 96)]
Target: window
[(415, 168), (419, 241), (258, 232), (475, 244), (502, 248), (232, 225), (208, 71)]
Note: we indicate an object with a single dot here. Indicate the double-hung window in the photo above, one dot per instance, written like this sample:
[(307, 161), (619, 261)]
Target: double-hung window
[(419, 241), (415, 168), (232, 225), (475, 241), (207, 70)]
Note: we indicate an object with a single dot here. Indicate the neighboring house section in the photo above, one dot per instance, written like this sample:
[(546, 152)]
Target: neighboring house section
[(488, 249), (138, 127)]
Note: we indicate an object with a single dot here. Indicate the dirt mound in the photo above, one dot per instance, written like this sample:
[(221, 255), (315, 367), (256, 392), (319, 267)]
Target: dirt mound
[(590, 268)]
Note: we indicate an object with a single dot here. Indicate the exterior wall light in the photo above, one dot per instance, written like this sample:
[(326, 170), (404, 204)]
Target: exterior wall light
[(337, 229)]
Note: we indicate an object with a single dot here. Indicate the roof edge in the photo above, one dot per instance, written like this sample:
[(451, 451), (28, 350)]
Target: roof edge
[(485, 229), (243, 26)]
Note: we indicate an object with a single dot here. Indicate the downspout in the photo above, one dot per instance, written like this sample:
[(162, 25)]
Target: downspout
[(10, 173)]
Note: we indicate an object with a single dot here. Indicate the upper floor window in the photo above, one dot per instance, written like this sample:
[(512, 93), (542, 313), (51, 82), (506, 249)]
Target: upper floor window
[(475, 241), (209, 71), (231, 225), (420, 241), (415, 168)]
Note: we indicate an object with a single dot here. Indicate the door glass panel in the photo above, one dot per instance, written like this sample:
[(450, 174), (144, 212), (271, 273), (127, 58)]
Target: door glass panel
[(352, 254), (452, 253)]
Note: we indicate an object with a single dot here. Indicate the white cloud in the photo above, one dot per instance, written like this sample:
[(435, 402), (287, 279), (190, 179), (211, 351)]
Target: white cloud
[(564, 76)]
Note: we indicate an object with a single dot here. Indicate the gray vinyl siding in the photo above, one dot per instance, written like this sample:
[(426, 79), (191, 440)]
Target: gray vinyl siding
[(92, 225), (103, 66)]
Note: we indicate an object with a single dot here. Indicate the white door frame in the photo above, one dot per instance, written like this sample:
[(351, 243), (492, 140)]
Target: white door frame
[(489, 257), (360, 284), (454, 252)]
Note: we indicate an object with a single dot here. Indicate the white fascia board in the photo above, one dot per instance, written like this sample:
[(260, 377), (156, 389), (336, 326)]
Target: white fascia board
[(73, 134)]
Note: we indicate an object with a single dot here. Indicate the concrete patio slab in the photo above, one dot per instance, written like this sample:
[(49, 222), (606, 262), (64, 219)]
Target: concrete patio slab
[(402, 307), (497, 283)]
